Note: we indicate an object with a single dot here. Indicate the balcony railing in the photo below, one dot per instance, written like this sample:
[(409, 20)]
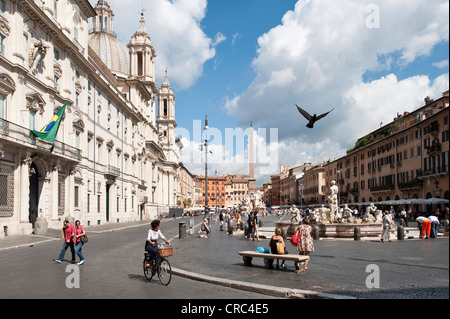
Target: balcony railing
[(433, 171), (25, 136), (113, 170), (416, 183), (382, 188)]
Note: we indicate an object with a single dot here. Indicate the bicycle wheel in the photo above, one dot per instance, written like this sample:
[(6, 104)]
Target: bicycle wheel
[(165, 272), (148, 273)]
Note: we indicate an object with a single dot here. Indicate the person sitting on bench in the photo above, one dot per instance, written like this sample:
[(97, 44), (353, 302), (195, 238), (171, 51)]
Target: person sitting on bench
[(277, 246)]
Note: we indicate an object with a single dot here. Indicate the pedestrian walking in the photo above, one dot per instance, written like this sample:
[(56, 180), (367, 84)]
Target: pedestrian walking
[(305, 244), (255, 226), (278, 247), (79, 233), (250, 226), (69, 236), (387, 226), (424, 227), (221, 219), (434, 224), (403, 215)]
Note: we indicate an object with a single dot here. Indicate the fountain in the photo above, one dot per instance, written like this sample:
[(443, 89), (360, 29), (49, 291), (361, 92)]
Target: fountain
[(338, 223)]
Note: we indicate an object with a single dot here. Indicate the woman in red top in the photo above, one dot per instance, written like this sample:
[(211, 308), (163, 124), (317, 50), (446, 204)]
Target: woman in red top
[(79, 231)]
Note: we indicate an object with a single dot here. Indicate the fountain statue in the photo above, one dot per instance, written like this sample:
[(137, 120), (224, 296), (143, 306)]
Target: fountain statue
[(295, 214), (335, 222), (253, 201)]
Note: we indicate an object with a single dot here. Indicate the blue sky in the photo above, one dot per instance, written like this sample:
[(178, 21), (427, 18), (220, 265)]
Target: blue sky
[(230, 71), (253, 60)]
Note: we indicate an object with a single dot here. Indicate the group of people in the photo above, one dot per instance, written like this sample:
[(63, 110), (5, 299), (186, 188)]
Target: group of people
[(72, 239), (305, 244), (428, 226), (252, 229)]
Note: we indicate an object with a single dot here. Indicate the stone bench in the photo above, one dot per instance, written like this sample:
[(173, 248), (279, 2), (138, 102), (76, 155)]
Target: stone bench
[(299, 260)]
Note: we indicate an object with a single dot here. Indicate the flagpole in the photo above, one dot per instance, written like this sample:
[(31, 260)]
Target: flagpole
[(57, 129)]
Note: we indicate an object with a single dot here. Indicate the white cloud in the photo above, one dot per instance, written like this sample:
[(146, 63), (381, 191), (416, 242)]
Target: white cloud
[(235, 37), (219, 38), (442, 64), (175, 31), (317, 57)]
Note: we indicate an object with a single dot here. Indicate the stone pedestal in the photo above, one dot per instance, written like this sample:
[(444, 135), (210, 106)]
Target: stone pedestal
[(41, 226)]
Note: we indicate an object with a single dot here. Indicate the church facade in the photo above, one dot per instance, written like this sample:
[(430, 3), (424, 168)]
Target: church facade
[(116, 157)]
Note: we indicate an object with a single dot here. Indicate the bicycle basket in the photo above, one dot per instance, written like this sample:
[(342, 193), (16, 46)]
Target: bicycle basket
[(165, 251)]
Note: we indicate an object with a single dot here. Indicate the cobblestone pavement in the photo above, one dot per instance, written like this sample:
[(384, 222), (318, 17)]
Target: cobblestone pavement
[(411, 268), (408, 269)]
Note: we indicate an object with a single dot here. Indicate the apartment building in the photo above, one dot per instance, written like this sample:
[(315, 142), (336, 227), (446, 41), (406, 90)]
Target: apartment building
[(276, 185), (236, 188), (404, 159), (407, 158), (267, 189), (187, 188), (216, 191)]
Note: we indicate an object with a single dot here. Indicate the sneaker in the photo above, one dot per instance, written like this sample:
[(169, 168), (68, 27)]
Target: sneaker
[(81, 262), (57, 261)]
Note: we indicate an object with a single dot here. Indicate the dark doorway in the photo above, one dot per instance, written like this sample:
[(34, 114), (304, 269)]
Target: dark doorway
[(108, 186), (34, 194)]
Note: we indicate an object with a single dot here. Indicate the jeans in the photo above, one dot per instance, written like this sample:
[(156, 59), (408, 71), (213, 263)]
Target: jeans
[(64, 248), (434, 229), (152, 250), (78, 250)]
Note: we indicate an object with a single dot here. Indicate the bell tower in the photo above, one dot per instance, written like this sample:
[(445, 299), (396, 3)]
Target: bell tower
[(142, 54), (166, 113), (103, 21)]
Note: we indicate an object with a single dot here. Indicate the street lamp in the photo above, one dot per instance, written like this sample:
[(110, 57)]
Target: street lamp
[(205, 145), (217, 186)]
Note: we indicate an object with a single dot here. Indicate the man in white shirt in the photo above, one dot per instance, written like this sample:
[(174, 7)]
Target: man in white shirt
[(387, 225), (424, 226), (434, 226), (403, 215)]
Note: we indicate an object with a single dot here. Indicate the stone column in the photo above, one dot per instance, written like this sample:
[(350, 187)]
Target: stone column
[(54, 192), (25, 189)]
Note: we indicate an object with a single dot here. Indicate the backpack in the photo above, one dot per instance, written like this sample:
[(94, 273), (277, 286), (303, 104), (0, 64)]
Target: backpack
[(295, 239)]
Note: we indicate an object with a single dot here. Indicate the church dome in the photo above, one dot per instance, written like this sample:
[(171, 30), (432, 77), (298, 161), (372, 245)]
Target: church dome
[(104, 42), (111, 51)]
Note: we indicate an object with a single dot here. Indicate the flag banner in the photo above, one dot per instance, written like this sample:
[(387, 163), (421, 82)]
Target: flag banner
[(49, 131)]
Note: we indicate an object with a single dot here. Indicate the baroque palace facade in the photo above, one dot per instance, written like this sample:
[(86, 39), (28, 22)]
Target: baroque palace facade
[(116, 157)]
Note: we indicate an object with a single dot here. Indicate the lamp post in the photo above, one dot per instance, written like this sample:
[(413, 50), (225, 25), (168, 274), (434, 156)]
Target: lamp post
[(205, 129), (217, 194)]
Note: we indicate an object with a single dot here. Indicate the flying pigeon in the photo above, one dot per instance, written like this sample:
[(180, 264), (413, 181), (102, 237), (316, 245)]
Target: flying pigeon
[(311, 119)]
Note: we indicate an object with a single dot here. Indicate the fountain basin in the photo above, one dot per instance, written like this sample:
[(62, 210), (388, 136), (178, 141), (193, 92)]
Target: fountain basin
[(348, 230)]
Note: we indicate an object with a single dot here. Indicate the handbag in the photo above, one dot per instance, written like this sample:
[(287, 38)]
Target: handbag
[(295, 239), (280, 248), (84, 239)]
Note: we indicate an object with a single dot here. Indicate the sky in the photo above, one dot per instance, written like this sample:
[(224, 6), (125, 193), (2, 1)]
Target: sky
[(252, 61)]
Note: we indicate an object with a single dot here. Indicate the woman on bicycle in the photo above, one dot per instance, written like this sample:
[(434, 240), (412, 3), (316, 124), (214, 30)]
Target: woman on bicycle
[(151, 244)]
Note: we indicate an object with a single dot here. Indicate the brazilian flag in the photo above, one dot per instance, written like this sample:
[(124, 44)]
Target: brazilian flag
[(48, 133)]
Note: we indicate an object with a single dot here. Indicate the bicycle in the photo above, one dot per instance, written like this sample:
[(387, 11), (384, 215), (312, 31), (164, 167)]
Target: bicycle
[(161, 265)]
